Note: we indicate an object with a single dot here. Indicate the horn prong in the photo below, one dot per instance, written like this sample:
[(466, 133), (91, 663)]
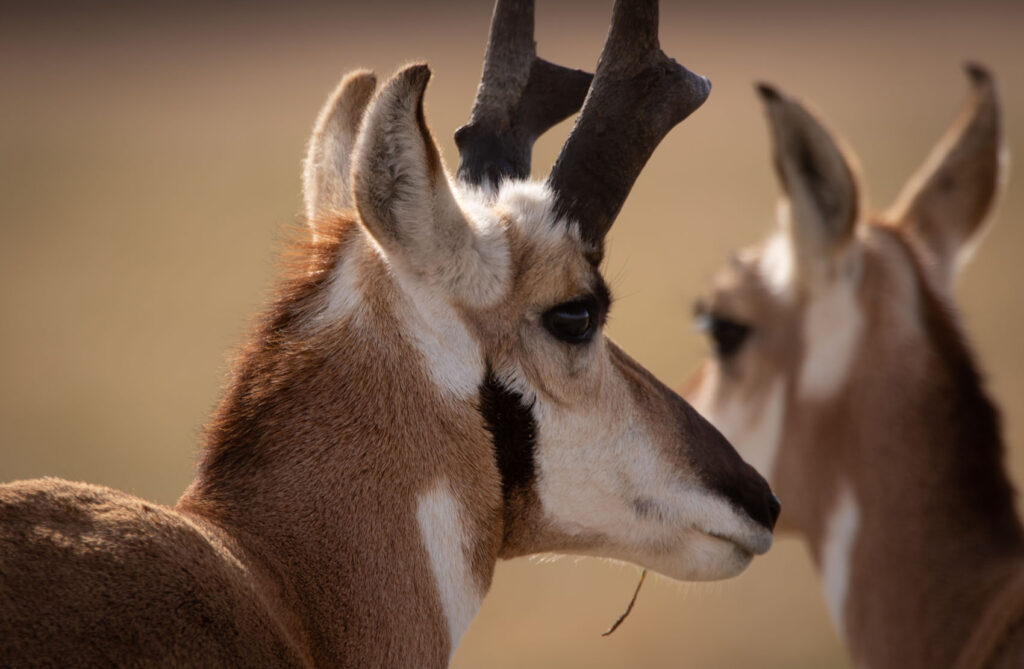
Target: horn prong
[(638, 94), (519, 98)]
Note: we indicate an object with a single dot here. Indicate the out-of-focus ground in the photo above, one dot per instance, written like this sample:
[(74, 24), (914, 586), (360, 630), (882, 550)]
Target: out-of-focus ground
[(149, 161)]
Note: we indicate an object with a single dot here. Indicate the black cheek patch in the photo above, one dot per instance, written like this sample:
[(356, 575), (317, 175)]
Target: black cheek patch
[(511, 424)]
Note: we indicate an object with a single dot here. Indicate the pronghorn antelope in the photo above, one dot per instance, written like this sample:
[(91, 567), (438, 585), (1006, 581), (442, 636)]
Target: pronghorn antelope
[(430, 391), (840, 371)]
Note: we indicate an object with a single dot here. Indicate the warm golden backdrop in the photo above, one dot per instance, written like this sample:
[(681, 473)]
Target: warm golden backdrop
[(149, 161)]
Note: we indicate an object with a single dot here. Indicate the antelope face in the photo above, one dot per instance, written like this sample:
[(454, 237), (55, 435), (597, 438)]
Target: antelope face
[(502, 301), (835, 310), (604, 460)]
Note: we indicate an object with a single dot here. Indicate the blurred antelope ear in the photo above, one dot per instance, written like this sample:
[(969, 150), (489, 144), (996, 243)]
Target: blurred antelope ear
[(406, 201), (946, 204), (818, 180), (326, 184)]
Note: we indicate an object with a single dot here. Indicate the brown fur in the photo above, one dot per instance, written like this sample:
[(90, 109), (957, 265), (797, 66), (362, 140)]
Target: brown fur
[(289, 475), (301, 435), (75, 558)]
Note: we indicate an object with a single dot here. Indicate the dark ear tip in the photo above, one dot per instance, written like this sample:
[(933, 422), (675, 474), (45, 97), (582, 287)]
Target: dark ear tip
[(417, 74), (978, 73), (767, 92)]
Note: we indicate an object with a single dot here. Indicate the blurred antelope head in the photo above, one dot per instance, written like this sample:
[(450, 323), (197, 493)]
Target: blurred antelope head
[(839, 371)]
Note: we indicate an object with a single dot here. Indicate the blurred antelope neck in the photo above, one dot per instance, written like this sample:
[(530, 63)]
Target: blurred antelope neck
[(921, 537)]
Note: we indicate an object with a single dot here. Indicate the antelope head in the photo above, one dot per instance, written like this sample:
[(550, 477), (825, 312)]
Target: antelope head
[(833, 345), (494, 283)]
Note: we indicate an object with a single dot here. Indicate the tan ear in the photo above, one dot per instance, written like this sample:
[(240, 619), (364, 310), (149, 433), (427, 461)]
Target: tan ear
[(326, 183), (405, 198), (945, 205), (818, 180)]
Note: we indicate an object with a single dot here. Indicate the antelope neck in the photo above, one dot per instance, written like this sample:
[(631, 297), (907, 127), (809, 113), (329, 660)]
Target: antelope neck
[(373, 504)]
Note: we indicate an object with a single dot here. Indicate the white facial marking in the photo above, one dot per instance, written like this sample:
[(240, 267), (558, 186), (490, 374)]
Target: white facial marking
[(777, 264), (444, 536), (591, 470), (836, 552), (608, 477), (531, 204), (482, 277), (452, 356), (832, 328), (343, 293), (753, 427)]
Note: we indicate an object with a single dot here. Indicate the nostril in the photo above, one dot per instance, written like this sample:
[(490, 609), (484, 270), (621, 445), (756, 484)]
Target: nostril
[(774, 507)]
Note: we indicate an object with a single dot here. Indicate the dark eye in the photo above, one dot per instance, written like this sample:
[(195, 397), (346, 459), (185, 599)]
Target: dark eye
[(727, 335), (572, 322)]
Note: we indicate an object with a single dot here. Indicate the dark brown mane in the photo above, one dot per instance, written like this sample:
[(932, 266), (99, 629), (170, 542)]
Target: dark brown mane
[(233, 435), (960, 415)]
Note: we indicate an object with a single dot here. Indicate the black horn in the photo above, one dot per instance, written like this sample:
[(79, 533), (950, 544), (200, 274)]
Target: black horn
[(638, 94), (519, 98)]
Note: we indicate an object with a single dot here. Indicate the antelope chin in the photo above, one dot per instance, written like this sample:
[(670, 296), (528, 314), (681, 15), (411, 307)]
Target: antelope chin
[(705, 556), (756, 543)]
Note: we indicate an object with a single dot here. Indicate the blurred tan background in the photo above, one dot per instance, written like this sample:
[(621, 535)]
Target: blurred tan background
[(149, 161)]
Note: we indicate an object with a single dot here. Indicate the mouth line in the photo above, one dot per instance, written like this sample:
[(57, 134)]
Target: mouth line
[(741, 546)]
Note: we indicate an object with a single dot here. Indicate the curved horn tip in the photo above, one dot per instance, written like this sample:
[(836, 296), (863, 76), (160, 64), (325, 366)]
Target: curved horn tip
[(416, 74), (703, 88)]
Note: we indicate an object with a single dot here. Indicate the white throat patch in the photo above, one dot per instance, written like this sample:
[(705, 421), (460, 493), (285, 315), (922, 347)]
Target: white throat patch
[(444, 536), (836, 553)]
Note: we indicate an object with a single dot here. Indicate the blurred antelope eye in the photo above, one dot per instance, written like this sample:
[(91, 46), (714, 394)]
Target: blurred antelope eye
[(571, 322), (727, 336)]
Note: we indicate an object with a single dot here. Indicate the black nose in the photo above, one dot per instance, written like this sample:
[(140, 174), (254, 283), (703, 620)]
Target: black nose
[(774, 507), (750, 494), (735, 480), (757, 501), (726, 473)]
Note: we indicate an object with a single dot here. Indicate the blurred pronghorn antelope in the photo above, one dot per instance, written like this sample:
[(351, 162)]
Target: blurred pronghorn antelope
[(430, 391), (841, 371)]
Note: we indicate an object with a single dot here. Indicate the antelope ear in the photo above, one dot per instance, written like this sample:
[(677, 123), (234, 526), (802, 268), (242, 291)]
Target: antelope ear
[(947, 202), (405, 199), (326, 184), (819, 182)]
